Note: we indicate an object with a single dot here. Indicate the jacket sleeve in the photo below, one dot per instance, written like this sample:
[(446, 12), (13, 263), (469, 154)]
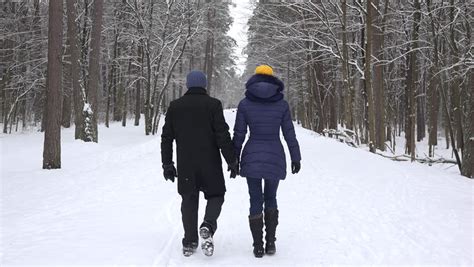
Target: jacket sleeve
[(290, 136), (240, 130), (167, 138), (221, 130)]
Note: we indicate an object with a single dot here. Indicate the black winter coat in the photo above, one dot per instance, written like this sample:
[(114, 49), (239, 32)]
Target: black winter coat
[(196, 121)]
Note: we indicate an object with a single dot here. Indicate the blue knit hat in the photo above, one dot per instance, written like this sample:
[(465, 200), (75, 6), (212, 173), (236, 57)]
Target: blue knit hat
[(196, 79)]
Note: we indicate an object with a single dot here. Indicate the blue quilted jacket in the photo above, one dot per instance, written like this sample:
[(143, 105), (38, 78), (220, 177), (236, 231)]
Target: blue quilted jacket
[(264, 111)]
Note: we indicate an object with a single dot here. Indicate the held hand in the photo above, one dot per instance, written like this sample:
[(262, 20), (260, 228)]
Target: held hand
[(295, 167), (234, 169), (169, 172)]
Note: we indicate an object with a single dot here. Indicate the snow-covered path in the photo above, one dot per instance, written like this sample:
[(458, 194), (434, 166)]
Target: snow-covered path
[(109, 205)]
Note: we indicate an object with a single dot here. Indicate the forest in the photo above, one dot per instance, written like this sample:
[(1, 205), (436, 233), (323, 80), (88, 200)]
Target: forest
[(379, 69)]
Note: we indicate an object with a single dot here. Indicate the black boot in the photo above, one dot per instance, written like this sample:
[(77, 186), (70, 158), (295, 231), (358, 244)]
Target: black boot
[(206, 232), (271, 222), (256, 227), (189, 247)]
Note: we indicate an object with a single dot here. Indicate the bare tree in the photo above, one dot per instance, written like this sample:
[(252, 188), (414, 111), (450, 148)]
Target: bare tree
[(368, 74), (468, 152), (94, 69), (433, 86), (378, 85), (411, 84), (348, 88), (74, 72)]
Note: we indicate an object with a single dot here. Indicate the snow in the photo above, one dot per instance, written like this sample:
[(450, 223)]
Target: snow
[(241, 11), (422, 152), (110, 205), (87, 108)]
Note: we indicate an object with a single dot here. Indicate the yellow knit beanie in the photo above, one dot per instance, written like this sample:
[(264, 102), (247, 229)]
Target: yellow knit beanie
[(264, 69)]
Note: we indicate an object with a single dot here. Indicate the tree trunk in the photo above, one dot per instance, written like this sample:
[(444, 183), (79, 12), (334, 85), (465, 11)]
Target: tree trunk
[(333, 102), (85, 51), (455, 94), (107, 107), (332, 111), (346, 79), (66, 112), (117, 84), (433, 105), (368, 77), (318, 119), (3, 93), (149, 107), (433, 84), (113, 78), (446, 125), (468, 152), (412, 75), (363, 119), (148, 100), (138, 84), (209, 49), (125, 95), (209, 61), (52, 134), (94, 61), (108, 92), (24, 115), (6, 97), (78, 96), (468, 95), (67, 91), (421, 111), (378, 88)]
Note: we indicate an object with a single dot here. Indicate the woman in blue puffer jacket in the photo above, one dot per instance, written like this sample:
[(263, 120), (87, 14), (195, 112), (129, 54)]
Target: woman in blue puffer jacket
[(264, 112)]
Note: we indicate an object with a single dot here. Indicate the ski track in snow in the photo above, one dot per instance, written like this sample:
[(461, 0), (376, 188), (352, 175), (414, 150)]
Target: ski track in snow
[(109, 205)]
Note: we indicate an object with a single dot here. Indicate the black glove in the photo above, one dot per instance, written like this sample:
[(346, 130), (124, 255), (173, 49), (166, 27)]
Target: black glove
[(295, 167), (234, 169), (169, 172)]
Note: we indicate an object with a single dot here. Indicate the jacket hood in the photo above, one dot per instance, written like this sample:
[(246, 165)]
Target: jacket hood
[(264, 88)]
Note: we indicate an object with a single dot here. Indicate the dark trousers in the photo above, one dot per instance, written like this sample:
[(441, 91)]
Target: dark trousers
[(259, 197), (189, 213)]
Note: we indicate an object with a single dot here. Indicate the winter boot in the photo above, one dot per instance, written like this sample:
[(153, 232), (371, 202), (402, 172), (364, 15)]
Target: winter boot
[(271, 222), (207, 244), (189, 248), (256, 227)]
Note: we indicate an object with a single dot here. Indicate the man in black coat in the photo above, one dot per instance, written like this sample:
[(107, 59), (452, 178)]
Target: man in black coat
[(196, 121)]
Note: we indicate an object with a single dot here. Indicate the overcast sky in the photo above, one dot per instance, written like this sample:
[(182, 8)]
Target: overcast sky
[(240, 10)]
